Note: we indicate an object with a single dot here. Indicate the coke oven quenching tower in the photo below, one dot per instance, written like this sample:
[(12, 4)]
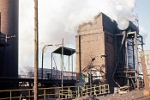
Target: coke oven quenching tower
[(108, 52)]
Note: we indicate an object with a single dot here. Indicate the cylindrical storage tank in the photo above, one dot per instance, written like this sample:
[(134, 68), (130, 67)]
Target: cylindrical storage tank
[(9, 27), (125, 24)]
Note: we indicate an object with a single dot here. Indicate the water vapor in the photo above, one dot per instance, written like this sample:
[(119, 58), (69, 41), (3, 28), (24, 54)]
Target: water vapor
[(60, 19)]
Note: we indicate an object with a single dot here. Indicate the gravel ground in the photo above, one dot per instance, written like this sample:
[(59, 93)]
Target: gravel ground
[(132, 95)]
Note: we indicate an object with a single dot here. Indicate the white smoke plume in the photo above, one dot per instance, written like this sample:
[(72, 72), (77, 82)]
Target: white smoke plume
[(143, 32), (60, 19)]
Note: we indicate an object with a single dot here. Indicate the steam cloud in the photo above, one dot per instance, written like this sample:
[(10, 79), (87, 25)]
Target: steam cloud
[(60, 19)]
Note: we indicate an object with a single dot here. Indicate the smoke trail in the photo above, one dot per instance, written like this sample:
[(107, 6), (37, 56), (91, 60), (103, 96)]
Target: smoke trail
[(60, 19), (143, 32)]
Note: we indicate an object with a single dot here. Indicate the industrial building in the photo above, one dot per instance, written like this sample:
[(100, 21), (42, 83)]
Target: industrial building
[(107, 54)]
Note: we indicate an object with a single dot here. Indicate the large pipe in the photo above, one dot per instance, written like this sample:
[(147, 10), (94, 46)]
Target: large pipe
[(126, 46), (42, 62), (125, 24), (136, 59), (127, 60)]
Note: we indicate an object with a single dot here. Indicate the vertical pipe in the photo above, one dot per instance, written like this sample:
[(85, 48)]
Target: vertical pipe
[(133, 53), (55, 65), (72, 67), (51, 63), (68, 67), (60, 67), (68, 63), (42, 62), (136, 62), (127, 63), (36, 50), (133, 56), (62, 63), (80, 55)]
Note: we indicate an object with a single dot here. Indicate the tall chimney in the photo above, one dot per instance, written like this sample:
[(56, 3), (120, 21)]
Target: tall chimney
[(9, 29)]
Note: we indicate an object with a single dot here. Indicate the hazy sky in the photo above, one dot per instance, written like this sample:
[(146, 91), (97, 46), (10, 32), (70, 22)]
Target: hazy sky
[(142, 9), (60, 19)]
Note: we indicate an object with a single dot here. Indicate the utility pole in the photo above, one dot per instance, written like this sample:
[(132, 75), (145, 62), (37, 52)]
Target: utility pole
[(36, 50)]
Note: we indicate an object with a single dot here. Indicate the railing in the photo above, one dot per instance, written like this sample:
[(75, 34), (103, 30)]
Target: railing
[(49, 77), (56, 92)]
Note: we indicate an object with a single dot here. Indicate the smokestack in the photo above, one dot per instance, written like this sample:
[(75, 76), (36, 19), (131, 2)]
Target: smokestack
[(9, 29)]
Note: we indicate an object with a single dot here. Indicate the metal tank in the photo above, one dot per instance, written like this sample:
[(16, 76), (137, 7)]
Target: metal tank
[(9, 35)]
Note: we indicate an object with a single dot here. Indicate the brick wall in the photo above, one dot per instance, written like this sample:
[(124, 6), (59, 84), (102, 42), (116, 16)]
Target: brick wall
[(94, 39)]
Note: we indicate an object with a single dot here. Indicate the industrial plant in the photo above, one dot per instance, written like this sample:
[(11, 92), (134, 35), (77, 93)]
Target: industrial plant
[(110, 59), (108, 53)]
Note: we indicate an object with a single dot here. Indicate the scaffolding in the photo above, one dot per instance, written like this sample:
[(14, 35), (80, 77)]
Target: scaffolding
[(127, 72)]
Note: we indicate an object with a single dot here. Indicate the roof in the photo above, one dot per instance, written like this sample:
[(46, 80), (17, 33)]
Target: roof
[(66, 51)]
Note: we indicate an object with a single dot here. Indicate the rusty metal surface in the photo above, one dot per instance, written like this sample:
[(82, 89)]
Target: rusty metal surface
[(144, 70)]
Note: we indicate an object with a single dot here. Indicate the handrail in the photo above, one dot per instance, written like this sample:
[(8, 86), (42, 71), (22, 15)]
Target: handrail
[(58, 92)]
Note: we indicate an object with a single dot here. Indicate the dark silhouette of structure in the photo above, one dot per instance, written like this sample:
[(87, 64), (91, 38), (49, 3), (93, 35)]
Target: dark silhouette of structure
[(8, 41)]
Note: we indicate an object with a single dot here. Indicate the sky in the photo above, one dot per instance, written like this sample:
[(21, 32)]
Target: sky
[(143, 12), (60, 19)]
